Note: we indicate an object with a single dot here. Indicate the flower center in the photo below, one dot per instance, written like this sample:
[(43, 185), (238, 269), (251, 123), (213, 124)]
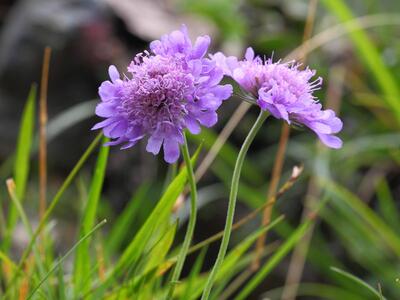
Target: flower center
[(157, 92)]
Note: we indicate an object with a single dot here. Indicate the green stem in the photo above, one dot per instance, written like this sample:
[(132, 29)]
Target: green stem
[(192, 220), (232, 203)]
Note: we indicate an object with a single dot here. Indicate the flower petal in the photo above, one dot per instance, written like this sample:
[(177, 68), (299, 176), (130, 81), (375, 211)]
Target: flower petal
[(171, 150), (200, 47), (105, 110), (154, 144), (113, 73), (330, 141), (192, 125), (249, 55)]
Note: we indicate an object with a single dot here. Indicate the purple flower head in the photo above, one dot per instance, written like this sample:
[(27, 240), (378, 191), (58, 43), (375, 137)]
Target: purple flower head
[(285, 91), (172, 88)]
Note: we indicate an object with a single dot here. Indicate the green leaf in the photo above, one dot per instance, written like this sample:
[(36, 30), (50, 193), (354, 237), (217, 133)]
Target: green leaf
[(21, 161), (62, 259), (190, 282), (124, 224), (228, 265), (367, 214), (319, 291), (274, 260), (387, 205), (55, 201), (25, 221), (160, 250), (370, 56), (357, 281), (61, 284), (159, 216), (82, 258)]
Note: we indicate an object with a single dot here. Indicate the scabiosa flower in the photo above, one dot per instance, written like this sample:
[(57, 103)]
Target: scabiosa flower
[(285, 91), (171, 88)]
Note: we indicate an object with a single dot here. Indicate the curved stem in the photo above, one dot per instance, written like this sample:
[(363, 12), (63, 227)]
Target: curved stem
[(192, 220), (232, 203)]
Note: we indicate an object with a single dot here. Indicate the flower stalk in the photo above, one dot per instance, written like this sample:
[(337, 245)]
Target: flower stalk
[(232, 203), (192, 219)]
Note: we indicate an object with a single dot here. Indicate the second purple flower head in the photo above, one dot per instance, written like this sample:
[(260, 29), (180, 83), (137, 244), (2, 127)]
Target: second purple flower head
[(285, 91), (172, 88)]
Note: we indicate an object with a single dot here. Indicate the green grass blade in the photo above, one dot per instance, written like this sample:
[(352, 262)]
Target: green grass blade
[(21, 161), (158, 217), (25, 221), (62, 259), (357, 281), (274, 260), (368, 215), (123, 225), (317, 291), (55, 201), (387, 206), (160, 250), (82, 258), (61, 284), (229, 264), (371, 57), (195, 271)]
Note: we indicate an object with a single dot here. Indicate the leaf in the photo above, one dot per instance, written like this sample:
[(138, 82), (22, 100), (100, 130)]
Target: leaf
[(21, 161), (371, 57), (274, 260), (186, 295), (317, 290), (357, 281), (82, 259), (160, 214), (387, 205), (62, 259), (55, 201), (367, 214), (229, 263), (160, 250), (124, 224)]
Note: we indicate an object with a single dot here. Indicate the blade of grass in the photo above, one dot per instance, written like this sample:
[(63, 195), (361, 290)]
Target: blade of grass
[(387, 205), (82, 259), (8, 261), (283, 250), (370, 55), (229, 264), (195, 271), (160, 250), (358, 281), (123, 225), (61, 284), (273, 261), (55, 201), (317, 290), (159, 216), (61, 260), (369, 216), (21, 162), (25, 221)]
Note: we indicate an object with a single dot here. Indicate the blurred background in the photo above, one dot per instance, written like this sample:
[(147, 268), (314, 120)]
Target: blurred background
[(358, 230)]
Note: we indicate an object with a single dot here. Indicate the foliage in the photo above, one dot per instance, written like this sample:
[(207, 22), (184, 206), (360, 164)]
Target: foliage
[(355, 238)]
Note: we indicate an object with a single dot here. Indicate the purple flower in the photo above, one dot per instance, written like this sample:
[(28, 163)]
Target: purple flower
[(285, 91), (172, 88)]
